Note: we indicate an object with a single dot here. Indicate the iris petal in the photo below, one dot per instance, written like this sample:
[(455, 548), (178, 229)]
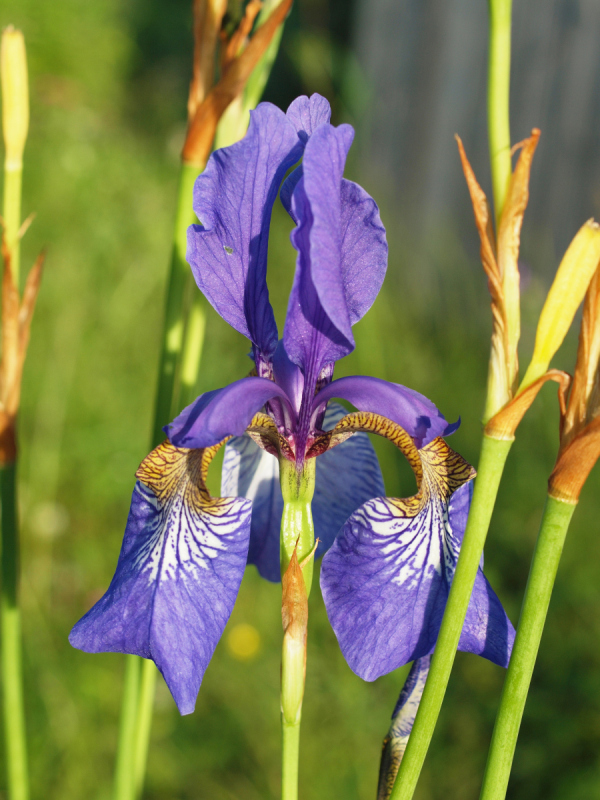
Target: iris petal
[(403, 720), (346, 476), (385, 580), (406, 407), (233, 199), (342, 254), (225, 412), (178, 574)]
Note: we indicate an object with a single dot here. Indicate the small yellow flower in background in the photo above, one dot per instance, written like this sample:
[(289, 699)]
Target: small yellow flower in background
[(243, 641)]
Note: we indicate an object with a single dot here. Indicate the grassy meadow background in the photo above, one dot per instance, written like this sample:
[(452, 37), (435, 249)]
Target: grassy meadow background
[(108, 91)]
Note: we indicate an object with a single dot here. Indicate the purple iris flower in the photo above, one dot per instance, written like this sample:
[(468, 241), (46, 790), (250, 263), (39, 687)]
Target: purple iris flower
[(184, 552)]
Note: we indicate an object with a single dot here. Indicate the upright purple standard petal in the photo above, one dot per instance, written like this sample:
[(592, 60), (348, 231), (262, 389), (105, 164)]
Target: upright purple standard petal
[(225, 412), (342, 254), (406, 407), (178, 574), (233, 199), (385, 580), (307, 113)]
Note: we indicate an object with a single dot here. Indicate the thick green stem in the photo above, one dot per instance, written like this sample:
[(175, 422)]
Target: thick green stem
[(548, 550), (297, 533), (144, 724), (296, 522), (192, 350), (124, 769), (290, 759), (491, 465), (174, 323), (498, 100), (12, 675)]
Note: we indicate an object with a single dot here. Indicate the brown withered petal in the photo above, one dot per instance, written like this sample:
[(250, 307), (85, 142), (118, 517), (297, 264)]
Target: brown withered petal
[(294, 601), (574, 464), (504, 424), (203, 125), (9, 362), (238, 39), (208, 17), (583, 399), (509, 240), (15, 328), (483, 221)]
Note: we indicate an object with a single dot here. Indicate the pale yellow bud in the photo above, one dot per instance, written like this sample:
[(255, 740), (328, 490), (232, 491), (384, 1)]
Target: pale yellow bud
[(15, 96), (564, 298)]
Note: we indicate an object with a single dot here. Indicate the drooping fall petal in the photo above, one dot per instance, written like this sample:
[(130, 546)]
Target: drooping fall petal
[(178, 574), (385, 580), (403, 719)]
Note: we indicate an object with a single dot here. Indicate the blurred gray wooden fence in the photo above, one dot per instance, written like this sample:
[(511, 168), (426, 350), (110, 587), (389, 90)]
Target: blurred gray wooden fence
[(425, 62)]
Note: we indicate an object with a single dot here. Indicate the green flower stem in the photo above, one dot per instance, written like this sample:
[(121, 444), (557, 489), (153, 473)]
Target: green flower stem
[(174, 323), (548, 550), (13, 177), (124, 785), (12, 675), (290, 759), (491, 465), (192, 350), (143, 724), (297, 522), (297, 533), (498, 100)]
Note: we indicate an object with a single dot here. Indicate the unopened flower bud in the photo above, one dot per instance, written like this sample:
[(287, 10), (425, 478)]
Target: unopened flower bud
[(15, 96), (564, 298)]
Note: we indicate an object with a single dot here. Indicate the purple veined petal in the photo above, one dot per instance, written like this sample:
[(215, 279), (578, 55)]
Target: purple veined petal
[(385, 582), (307, 113), (224, 412), (288, 376), (406, 407), (403, 720), (233, 199), (346, 477), (342, 253), (248, 471), (177, 578)]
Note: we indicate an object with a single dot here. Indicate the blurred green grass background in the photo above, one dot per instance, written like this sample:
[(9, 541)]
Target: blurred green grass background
[(108, 89)]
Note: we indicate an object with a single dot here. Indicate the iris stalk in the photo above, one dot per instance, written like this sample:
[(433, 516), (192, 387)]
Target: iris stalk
[(542, 574), (499, 99), (15, 122), (297, 539)]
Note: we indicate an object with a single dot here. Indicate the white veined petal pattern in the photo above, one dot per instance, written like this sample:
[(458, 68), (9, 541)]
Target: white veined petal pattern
[(178, 574), (385, 580)]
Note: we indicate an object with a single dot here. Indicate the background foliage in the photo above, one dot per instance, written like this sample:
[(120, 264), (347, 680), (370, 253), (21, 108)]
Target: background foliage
[(108, 88)]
